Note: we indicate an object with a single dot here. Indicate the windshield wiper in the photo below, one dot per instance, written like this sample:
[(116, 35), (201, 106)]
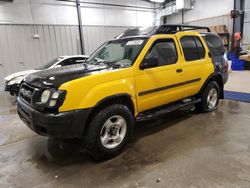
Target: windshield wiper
[(106, 62)]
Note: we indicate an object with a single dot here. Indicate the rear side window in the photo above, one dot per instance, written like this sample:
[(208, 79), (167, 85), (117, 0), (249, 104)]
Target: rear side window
[(215, 45), (192, 48)]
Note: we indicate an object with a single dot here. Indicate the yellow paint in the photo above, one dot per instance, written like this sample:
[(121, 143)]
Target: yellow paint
[(202, 68), (87, 91), (156, 78)]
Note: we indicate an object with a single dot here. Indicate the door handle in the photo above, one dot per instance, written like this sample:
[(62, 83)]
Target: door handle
[(179, 70)]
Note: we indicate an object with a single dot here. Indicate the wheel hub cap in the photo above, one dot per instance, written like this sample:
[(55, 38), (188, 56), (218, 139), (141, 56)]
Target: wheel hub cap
[(113, 132), (212, 98)]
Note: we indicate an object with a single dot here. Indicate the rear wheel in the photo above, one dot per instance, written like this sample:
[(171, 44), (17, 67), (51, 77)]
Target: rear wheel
[(210, 98), (109, 131)]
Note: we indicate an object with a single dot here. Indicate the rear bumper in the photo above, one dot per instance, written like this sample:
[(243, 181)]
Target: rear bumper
[(62, 125)]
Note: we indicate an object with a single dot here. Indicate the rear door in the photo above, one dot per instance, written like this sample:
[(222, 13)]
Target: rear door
[(197, 66)]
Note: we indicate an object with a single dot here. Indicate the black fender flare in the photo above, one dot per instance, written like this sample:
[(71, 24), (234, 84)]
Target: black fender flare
[(214, 77), (120, 97), (114, 97)]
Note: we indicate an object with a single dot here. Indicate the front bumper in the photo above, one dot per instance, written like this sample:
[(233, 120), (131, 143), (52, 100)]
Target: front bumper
[(62, 125), (13, 89)]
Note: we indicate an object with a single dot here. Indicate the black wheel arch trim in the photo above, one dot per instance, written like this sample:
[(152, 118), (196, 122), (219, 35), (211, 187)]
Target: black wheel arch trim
[(112, 97), (117, 96), (213, 77), (107, 99)]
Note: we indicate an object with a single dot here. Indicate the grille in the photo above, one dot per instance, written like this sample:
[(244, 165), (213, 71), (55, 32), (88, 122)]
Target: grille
[(27, 93)]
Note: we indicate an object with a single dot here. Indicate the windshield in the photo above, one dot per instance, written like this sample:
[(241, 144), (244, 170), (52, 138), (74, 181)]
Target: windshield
[(50, 63), (122, 52)]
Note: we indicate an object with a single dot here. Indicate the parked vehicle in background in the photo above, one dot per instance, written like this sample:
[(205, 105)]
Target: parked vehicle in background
[(13, 81)]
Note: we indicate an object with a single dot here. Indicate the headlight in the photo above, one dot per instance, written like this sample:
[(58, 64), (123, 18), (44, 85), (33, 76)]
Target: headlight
[(45, 96), (51, 98), (16, 80)]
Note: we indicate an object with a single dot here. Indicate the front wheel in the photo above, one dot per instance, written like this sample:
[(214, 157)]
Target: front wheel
[(210, 98), (109, 131)]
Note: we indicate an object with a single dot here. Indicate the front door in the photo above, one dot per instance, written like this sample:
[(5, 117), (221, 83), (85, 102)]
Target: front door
[(162, 84)]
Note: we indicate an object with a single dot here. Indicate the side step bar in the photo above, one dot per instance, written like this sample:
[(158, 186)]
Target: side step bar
[(151, 114)]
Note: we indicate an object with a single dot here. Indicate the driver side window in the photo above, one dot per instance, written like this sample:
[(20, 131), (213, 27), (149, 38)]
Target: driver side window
[(165, 51)]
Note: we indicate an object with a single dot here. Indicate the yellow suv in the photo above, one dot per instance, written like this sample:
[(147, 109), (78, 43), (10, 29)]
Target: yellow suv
[(141, 74)]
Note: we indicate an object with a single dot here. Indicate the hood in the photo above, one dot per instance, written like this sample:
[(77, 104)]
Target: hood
[(57, 76), (22, 73)]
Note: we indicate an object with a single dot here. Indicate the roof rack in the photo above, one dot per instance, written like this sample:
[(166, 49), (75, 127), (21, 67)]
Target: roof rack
[(161, 29), (174, 28)]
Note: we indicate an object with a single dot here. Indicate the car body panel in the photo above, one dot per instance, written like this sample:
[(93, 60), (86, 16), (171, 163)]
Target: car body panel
[(98, 86), (21, 73), (219, 61), (198, 69), (155, 78)]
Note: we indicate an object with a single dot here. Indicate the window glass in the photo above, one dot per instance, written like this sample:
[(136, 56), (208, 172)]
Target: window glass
[(200, 48), (215, 45), (192, 48), (120, 52), (112, 52), (165, 51)]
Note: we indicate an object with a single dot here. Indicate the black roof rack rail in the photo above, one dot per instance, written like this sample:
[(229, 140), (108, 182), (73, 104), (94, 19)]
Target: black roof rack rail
[(174, 28), (161, 29)]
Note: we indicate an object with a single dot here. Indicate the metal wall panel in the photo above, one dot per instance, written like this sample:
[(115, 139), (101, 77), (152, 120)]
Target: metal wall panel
[(219, 20), (94, 36), (20, 51)]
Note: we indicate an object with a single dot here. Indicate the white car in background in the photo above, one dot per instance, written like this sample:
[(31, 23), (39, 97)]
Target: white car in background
[(13, 81)]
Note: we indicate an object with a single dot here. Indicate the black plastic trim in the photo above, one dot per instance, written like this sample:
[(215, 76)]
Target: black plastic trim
[(168, 87), (210, 78), (60, 125), (112, 97)]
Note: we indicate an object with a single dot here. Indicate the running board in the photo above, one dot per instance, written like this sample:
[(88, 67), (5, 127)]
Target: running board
[(151, 114)]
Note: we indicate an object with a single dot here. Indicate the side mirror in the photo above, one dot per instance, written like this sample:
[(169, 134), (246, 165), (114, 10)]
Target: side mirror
[(149, 62)]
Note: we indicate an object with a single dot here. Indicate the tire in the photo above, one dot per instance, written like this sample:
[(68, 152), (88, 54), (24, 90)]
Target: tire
[(109, 132), (209, 98)]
